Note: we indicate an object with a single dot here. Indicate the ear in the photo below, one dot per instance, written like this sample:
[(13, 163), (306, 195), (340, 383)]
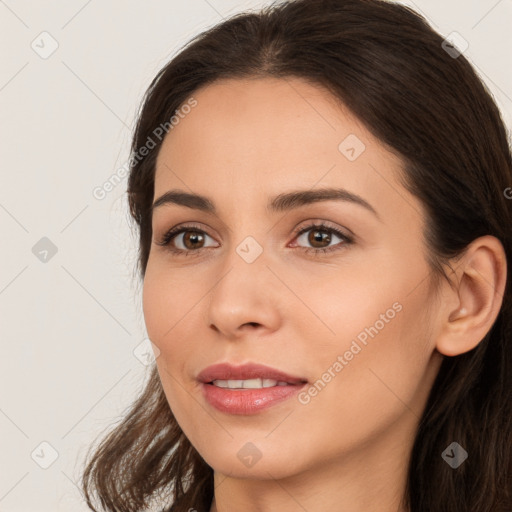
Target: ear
[(472, 304)]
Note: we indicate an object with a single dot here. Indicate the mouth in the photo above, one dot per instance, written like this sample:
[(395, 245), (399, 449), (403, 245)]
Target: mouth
[(247, 376), (247, 389), (249, 383)]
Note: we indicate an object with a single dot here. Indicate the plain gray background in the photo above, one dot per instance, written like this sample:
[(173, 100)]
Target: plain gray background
[(71, 320)]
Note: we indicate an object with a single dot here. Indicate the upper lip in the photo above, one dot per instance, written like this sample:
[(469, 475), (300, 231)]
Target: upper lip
[(227, 371)]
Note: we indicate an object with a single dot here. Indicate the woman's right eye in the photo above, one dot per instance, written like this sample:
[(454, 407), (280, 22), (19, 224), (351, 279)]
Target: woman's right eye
[(192, 235)]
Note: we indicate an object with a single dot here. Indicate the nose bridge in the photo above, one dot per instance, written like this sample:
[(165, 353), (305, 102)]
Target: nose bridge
[(247, 237), (243, 270)]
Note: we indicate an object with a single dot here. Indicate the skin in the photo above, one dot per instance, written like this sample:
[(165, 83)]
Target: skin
[(347, 449)]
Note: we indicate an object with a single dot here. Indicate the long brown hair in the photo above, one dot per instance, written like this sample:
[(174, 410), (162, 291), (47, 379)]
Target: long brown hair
[(391, 69)]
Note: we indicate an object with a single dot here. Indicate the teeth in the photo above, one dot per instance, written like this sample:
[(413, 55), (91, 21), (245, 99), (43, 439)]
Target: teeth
[(248, 384)]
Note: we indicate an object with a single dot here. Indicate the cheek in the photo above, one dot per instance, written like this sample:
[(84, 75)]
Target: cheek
[(163, 307), (385, 355), (155, 306), (344, 303), (168, 301), (376, 342), (171, 309)]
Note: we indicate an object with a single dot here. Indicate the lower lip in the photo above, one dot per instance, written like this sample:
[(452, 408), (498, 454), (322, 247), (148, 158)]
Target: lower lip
[(248, 401)]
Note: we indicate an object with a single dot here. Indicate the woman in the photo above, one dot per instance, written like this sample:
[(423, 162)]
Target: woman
[(323, 196)]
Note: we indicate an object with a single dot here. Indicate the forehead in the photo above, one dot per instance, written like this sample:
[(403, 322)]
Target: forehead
[(254, 138)]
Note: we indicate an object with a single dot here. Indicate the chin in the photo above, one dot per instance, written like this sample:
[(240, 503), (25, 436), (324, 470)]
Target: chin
[(247, 461)]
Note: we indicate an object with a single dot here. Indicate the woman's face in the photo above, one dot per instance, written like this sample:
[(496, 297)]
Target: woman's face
[(357, 321)]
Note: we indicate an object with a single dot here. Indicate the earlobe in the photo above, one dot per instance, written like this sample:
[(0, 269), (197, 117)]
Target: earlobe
[(473, 303)]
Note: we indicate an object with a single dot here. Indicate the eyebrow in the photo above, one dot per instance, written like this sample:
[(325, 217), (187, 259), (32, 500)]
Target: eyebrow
[(280, 203)]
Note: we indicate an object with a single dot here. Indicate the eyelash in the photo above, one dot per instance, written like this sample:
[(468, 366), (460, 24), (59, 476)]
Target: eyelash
[(173, 232)]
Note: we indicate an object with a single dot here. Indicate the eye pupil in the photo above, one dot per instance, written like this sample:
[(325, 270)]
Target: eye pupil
[(191, 236), (323, 237)]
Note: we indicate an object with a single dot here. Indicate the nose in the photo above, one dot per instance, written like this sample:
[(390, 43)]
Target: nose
[(245, 300)]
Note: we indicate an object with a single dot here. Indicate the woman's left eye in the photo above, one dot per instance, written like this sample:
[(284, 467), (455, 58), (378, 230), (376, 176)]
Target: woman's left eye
[(321, 233), (193, 235)]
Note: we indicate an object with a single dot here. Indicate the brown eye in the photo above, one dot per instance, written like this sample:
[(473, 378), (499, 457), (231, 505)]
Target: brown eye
[(185, 239), (319, 236), (192, 239)]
